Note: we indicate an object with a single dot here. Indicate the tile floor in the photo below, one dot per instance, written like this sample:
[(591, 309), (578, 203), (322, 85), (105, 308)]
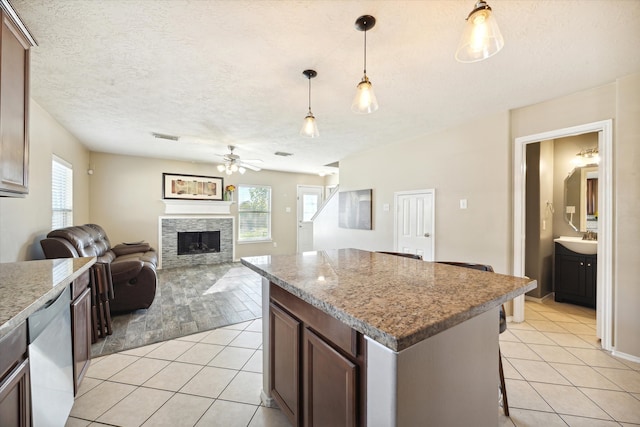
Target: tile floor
[(556, 376)]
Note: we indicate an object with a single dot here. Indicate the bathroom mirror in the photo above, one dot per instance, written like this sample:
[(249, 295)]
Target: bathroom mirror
[(581, 198)]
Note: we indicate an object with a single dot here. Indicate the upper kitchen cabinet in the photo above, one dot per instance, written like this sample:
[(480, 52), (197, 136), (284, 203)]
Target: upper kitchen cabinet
[(14, 107)]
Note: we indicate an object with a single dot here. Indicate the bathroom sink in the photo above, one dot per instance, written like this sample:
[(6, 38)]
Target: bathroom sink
[(576, 244)]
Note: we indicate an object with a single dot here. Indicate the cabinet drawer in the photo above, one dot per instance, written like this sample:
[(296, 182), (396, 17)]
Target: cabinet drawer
[(79, 285), (330, 328), (13, 349)]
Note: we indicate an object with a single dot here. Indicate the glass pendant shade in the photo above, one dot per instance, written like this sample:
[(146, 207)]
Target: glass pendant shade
[(481, 38), (310, 127), (365, 100), (221, 168)]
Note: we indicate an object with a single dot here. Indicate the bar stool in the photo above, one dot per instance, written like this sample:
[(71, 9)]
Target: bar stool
[(503, 327)]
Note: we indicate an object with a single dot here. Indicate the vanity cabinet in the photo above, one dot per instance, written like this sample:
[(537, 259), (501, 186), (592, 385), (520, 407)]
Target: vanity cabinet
[(15, 407), (575, 277), (80, 328), (317, 369), (14, 109)]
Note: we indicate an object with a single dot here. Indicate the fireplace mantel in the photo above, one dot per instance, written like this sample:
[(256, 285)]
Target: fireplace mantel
[(196, 207)]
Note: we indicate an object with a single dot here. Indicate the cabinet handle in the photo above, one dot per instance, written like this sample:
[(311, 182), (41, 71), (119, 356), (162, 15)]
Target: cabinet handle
[(588, 265), (582, 263)]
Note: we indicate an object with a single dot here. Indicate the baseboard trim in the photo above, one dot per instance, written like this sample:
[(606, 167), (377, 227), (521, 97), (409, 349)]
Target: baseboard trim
[(267, 401), (539, 300), (626, 356)]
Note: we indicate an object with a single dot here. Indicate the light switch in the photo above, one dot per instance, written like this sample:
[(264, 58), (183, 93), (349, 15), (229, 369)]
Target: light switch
[(287, 209), (385, 207), (463, 203)]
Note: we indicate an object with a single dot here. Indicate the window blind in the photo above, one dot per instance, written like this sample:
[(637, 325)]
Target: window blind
[(61, 193)]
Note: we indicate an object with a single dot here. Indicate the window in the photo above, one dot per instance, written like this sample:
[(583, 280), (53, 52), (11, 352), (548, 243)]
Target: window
[(61, 193), (254, 213)]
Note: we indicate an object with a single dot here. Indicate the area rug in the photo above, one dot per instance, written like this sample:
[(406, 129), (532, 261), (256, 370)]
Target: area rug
[(188, 300)]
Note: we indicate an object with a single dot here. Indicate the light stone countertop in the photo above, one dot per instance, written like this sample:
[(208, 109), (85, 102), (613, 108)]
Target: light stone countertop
[(26, 286), (394, 300)]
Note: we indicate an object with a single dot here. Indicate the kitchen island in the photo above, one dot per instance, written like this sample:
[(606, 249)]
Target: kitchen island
[(354, 337)]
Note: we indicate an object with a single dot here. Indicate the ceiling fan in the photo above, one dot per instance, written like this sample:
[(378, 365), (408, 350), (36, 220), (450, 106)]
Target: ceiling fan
[(232, 163)]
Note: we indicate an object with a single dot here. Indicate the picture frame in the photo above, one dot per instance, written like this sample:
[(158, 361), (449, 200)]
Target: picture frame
[(355, 209), (192, 187)]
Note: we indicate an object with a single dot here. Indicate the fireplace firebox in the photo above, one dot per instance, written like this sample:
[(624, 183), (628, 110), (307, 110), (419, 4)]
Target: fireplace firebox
[(198, 242)]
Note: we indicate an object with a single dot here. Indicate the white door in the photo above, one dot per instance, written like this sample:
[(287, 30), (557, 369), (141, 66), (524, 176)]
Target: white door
[(309, 200), (414, 222)]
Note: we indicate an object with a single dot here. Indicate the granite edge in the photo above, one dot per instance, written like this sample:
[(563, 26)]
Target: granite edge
[(389, 341), (16, 320)]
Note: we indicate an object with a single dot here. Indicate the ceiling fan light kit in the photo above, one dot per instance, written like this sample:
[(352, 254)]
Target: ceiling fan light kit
[(232, 163), (481, 38)]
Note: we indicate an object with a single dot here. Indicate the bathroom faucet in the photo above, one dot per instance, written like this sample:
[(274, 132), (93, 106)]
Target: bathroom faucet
[(590, 235)]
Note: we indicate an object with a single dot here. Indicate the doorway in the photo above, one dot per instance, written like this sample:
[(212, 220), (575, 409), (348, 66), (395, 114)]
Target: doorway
[(414, 223), (309, 200), (604, 307)]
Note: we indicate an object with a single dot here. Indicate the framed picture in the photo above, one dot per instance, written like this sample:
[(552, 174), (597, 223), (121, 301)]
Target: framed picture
[(191, 187), (355, 209)]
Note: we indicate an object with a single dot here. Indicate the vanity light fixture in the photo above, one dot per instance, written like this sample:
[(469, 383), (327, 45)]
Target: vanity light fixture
[(365, 101), (310, 127), (587, 156), (481, 38)]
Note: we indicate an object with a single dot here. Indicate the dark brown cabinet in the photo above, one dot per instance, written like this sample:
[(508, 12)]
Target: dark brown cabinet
[(285, 360), (80, 328), (15, 407), (14, 109), (575, 277), (317, 370), (330, 384)]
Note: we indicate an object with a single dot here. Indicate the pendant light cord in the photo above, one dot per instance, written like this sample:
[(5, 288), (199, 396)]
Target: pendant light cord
[(365, 52), (309, 93)]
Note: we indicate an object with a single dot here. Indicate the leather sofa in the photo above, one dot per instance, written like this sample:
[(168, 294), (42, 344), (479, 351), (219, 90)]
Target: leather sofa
[(133, 266)]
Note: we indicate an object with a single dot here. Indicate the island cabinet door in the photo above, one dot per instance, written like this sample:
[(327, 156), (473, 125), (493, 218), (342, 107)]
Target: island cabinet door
[(285, 362), (81, 333), (330, 384)]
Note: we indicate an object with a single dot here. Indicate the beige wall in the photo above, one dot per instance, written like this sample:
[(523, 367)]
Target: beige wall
[(25, 221), (126, 199), (627, 218), (468, 162)]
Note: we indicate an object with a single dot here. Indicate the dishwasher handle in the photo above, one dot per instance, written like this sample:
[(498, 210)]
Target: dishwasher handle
[(39, 320)]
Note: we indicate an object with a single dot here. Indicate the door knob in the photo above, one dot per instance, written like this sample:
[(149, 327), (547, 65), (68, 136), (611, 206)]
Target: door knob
[(427, 235)]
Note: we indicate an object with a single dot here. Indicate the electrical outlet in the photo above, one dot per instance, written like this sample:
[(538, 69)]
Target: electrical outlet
[(463, 203), (275, 244)]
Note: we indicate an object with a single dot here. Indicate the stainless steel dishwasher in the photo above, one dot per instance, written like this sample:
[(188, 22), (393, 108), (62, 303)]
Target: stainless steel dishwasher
[(51, 362)]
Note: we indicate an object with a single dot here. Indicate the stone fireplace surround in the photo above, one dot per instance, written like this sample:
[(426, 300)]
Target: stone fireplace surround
[(169, 226)]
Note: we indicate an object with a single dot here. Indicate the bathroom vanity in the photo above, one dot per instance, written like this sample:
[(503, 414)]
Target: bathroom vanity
[(575, 272), (358, 338)]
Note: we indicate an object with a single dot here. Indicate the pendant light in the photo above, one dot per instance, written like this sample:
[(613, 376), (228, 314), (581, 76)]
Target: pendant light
[(310, 127), (481, 38), (365, 101)]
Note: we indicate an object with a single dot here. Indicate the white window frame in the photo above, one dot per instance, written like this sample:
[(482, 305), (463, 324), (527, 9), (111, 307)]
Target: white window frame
[(269, 211), (61, 204)]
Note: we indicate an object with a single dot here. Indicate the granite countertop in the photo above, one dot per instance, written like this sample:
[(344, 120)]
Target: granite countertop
[(26, 286), (396, 301)]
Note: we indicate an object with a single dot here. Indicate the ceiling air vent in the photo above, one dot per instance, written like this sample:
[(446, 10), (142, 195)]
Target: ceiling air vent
[(333, 165), (164, 136), (283, 154)]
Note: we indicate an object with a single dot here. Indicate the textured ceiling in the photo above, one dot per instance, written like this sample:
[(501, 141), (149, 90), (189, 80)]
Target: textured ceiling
[(230, 72)]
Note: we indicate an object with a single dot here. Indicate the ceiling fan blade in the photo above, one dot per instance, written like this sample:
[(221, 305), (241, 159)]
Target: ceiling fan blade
[(250, 166), (252, 160)]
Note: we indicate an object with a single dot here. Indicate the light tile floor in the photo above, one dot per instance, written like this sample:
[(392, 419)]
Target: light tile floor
[(556, 376)]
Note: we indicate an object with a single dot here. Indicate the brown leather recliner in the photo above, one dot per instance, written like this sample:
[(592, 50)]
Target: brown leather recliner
[(133, 266)]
